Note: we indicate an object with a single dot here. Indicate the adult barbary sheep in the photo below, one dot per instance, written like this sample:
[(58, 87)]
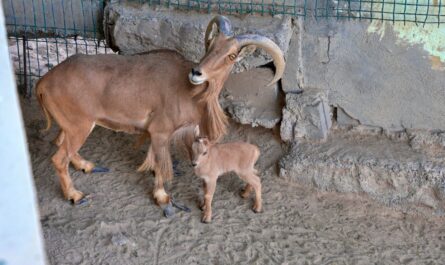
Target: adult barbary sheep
[(158, 93)]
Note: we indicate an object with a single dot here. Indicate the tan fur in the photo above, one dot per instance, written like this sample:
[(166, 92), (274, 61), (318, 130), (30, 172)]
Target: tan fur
[(47, 117), (212, 160), (143, 94), (154, 94)]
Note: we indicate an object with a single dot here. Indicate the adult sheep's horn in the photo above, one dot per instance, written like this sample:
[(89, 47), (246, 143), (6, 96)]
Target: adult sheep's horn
[(223, 26), (270, 47)]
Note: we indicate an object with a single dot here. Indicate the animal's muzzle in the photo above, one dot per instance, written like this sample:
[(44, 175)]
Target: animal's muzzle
[(196, 72), (196, 77)]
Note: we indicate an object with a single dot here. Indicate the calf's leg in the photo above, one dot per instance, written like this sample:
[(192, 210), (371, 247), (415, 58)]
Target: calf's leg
[(246, 191), (208, 197), (254, 182)]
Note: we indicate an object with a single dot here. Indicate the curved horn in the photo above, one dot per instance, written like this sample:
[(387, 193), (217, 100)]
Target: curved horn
[(223, 25), (270, 47)]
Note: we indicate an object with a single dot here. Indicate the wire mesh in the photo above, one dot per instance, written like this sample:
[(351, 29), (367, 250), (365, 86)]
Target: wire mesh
[(43, 33), (262, 7), (417, 11)]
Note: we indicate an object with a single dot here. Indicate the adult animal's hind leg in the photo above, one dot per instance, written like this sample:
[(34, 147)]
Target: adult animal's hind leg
[(82, 164), (71, 143), (61, 161), (59, 139), (79, 162)]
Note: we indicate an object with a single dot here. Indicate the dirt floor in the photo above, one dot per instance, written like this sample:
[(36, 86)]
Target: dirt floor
[(122, 225)]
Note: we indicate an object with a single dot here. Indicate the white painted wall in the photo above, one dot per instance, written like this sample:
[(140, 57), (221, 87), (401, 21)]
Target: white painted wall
[(20, 233)]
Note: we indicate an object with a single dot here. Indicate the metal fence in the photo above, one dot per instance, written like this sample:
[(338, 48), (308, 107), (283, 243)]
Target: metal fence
[(42, 33), (416, 11)]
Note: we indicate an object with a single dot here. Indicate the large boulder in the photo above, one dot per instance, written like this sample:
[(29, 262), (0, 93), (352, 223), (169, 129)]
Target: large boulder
[(132, 28)]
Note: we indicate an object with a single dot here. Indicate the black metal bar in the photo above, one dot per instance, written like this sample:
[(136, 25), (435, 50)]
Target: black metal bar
[(25, 76)]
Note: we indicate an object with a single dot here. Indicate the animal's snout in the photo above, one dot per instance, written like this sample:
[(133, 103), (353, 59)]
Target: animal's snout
[(196, 76), (196, 72)]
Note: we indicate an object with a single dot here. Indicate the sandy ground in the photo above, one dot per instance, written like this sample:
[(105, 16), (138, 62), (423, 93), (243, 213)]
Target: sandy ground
[(122, 225)]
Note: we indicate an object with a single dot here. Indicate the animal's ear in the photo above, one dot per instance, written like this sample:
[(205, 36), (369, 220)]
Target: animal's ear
[(211, 36), (196, 132), (245, 51)]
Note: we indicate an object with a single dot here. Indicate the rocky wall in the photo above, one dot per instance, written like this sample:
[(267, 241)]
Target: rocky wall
[(360, 104)]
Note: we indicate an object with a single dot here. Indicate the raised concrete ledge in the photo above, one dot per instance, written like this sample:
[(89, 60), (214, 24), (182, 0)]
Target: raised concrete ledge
[(392, 172)]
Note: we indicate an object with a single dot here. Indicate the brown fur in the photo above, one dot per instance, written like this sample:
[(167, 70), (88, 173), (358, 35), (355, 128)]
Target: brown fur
[(147, 94), (212, 160), (154, 94)]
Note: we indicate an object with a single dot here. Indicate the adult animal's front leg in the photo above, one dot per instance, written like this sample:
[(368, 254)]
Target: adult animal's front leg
[(159, 159)]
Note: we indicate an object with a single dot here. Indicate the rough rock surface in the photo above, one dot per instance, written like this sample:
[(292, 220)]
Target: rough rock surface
[(292, 80), (390, 171), (306, 115), (132, 28), (249, 100), (344, 119)]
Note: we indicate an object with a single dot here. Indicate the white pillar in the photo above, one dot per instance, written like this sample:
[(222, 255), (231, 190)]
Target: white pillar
[(21, 240)]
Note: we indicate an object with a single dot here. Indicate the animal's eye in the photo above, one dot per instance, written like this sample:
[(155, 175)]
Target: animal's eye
[(232, 56), (205, 153)]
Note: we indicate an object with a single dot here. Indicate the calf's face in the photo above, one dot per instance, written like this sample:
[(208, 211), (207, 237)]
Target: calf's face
[(200, 149)]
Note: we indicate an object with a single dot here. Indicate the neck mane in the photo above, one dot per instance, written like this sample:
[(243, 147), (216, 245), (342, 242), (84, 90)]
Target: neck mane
[(214, 121)]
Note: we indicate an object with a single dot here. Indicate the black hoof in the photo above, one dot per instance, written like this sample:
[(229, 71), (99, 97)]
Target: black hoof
[(255, 211), (100, 170), (176, 170), (82, 202), (169, 211), (181, 206), (205, 222)]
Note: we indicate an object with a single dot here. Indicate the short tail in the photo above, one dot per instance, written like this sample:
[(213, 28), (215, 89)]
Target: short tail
[(45, 111)]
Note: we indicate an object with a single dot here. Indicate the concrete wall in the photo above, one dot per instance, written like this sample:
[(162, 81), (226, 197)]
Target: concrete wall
[(369, 73), (378, 79), (345, 72), (67, 17)]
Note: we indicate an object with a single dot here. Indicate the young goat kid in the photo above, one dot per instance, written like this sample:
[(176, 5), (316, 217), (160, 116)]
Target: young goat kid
[(212, 160)]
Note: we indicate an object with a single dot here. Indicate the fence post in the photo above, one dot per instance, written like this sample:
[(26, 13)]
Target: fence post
[(25, 76)]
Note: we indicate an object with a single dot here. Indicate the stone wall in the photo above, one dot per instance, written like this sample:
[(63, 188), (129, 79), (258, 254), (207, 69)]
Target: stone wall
[(360, 103), (341, 72), (138, 28)]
